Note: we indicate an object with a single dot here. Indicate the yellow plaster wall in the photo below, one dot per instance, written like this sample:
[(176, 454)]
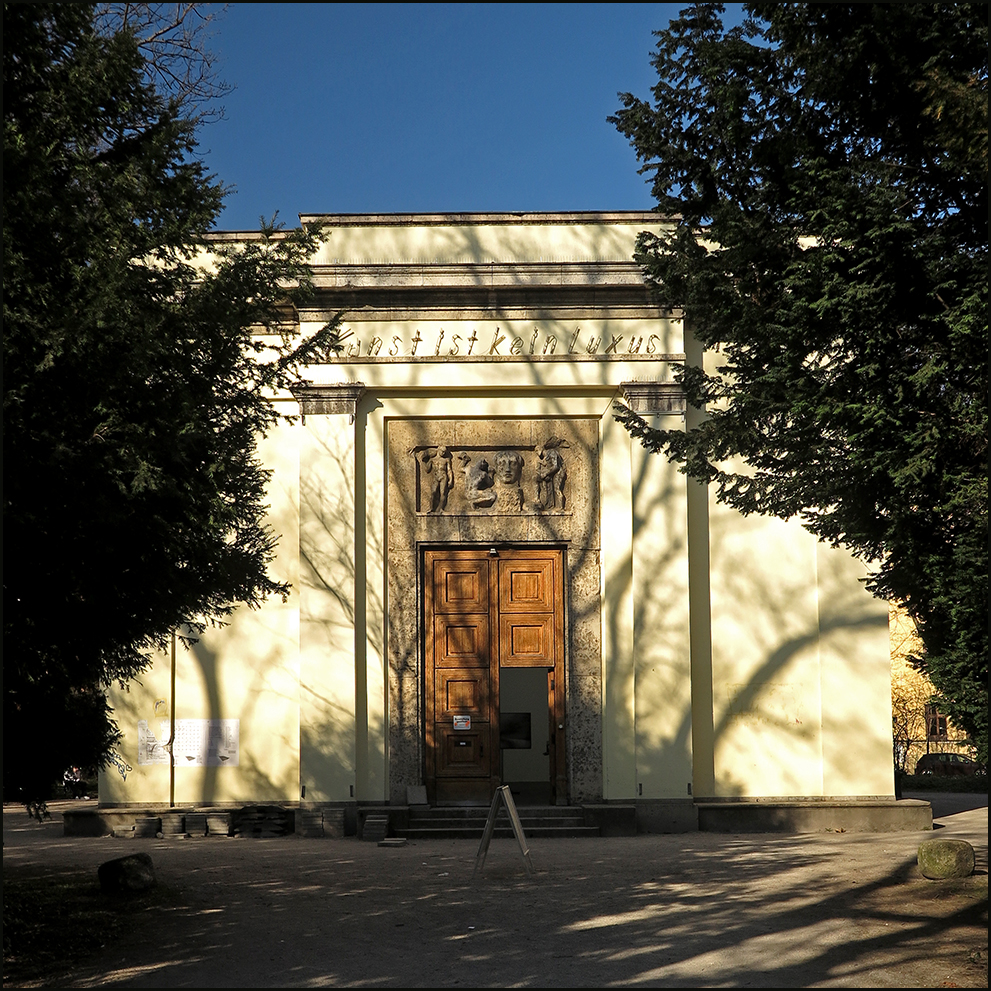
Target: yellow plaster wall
[(799, 665), (793, 651), (247, 670), (765, 670), (460, 243), (661, 624), (619, 779), (788, 654), (856, 679), (372, 718), (328, 605)]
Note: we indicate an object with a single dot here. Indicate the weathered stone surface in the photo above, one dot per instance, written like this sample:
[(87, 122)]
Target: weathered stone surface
[(217, 824), (411, 523), (196, 823), (263, 821), (127, 874), (375, 828), (309, 823), (939, 859), (173, 824), (333, 823), (147, 826), (585, 738)]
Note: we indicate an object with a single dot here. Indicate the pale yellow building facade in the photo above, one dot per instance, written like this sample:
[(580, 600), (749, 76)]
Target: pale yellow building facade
[(491, 582), (918, 726)]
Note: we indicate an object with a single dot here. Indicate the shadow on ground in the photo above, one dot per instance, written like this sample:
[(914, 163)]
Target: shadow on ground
[(679, 911)]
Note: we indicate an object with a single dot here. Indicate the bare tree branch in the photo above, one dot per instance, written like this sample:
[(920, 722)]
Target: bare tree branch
[(175, 41)]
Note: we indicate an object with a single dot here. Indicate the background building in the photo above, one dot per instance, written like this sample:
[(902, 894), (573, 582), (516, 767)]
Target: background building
[(918, 726)]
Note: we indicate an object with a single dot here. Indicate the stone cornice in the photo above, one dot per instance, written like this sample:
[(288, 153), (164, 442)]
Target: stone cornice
[(462, 310), (570, 218), (521, 290), (654, 397), (577, 274), (341, 397)]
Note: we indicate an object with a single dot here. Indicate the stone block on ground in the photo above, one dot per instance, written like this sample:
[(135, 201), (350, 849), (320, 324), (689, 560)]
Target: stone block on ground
[(127, 875), (174, 824), (196, 823), (309, 823), (263, 821), (333, 823), (147, 827), (940, 859), (376, 828), (218, 824)]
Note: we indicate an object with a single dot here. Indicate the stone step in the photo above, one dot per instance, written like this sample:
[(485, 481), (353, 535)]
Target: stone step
[(453, 822), (529, 822), (471, 832), (468, 821), (481, 812), (376, 828)]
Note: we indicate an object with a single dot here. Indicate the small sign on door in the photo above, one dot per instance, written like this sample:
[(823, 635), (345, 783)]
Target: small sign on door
[(462, 722)]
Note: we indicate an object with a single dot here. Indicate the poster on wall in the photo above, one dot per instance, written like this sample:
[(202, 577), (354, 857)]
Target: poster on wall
[(153, 743), (198, 742)]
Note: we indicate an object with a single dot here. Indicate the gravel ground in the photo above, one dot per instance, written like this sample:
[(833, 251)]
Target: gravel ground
[(689, 910)]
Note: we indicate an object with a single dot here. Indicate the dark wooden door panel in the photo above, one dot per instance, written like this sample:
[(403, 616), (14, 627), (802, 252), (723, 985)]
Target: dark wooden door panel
[(462, 693), (484, 611), (461, 642), (526, 586), (464, 753), (526, 641), (460, 586)]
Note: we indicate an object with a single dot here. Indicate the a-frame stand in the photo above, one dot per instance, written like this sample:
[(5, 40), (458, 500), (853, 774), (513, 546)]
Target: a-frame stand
[(504, 795)]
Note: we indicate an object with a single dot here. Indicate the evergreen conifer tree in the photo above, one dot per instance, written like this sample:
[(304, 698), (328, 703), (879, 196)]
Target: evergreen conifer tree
[(826, 169), (135, 385)]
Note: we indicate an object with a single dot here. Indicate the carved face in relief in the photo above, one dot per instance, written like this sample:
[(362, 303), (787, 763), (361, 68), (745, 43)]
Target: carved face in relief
[(508, 467)]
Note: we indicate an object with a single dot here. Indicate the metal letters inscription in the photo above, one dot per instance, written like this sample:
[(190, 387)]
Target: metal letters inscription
[(493, 480)]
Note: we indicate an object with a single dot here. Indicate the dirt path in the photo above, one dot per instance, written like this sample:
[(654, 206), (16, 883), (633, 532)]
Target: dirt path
[(692, 910)]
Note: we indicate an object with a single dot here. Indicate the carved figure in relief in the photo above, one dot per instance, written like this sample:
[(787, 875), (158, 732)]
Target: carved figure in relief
[(436, 477), (478, 481), (508, 469), (551, 474)]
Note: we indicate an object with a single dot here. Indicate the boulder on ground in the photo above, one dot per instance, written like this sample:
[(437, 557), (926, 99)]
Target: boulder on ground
[(939, 859), (127, 874)]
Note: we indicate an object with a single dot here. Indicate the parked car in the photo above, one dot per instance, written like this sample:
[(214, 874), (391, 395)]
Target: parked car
[(949, 764)]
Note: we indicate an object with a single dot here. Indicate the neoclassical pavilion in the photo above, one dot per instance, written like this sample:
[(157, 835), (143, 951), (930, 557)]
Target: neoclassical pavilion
[(492, 583)]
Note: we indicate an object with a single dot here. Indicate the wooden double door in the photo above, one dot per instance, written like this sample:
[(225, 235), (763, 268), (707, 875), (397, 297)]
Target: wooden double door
[(486, 611)]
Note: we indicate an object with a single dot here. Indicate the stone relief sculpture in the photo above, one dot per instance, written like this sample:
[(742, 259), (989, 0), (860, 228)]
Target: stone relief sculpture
[(436, 477), (508, 470), (551, 474), (492, 479), (478, 481)]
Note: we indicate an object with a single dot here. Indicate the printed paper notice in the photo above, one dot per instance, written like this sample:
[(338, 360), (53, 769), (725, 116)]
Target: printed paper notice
[(198, 742)]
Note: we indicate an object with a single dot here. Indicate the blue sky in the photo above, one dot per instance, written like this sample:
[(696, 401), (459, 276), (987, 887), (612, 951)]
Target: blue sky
[(342, 108)]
